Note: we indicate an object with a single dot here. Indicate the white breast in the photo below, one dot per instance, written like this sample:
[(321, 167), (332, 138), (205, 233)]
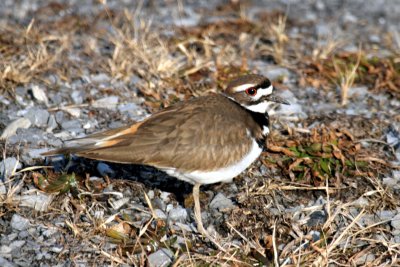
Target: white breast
[(225, 174)]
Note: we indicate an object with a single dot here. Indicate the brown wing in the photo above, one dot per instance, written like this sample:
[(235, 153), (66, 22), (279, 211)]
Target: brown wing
[(196, 135)]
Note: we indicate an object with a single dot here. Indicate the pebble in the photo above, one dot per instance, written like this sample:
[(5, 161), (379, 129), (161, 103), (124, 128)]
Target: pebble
[(184, 227), (3, 189), (178, 214), (323, 30), (161, 258), (363, 260), (169, 207), (32, 136), (105, 170), (38, 117), (160, 214), (4, 100), (385, 214), (19, 223), (74, 112), (90, 125), (100, 78), (318, 217), (316, 235), (109, 102), (12, 128), (17, 244), (374, 38), (396, 234), (150, 194), (131, 109), (23, 234), (5, 250), (38, 201), (72, 124), (165, 196), (390, 182), (59, 116), (51, 124), (49, 232), (320, 201), (221, 202), (127, 107), (7, 166), (5, 263), (12, 236), (180, 242), (39, 94), (396, 222), (158, 203), (116, 204), (348, 17), (77, 97), (360, 202), (56, 249)]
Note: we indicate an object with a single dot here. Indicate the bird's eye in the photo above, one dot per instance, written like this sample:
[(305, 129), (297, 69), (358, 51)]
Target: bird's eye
[(251, 91)]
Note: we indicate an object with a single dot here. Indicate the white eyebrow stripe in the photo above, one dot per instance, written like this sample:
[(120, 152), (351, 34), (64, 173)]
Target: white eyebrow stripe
[(243, 87), (264, 91)]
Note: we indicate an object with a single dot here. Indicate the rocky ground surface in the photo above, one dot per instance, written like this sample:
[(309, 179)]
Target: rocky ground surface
[(325, 193)]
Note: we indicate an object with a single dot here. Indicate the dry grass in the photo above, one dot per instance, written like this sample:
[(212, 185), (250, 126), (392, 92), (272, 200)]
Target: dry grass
[(27, 55), (278, 32), (347, 76), (325, 48)]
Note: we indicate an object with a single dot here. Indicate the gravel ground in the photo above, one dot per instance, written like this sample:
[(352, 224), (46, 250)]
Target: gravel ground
[(71, 68)]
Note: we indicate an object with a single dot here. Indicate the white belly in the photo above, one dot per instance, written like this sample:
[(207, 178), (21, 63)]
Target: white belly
[(225, 174)]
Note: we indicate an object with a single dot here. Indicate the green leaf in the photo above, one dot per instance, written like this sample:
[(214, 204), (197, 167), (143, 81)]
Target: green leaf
[(324, 163)]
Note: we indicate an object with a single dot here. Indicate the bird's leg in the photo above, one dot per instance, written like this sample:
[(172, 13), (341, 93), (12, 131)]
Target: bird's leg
[(197, 215)]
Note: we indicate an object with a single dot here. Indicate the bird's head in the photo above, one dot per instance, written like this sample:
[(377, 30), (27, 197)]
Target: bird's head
[(253, 92)]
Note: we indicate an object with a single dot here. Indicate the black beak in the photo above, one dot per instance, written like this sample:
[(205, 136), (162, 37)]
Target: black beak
[(277, 99)]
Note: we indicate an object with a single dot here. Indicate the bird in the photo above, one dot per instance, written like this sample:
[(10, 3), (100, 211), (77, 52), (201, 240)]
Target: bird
[(204, 140)]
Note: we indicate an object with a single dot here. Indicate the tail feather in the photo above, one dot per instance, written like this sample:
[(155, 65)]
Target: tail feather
[(63, 151), (93, 141)]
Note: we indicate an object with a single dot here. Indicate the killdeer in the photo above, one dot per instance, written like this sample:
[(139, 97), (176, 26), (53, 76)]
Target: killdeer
[(205, 140)]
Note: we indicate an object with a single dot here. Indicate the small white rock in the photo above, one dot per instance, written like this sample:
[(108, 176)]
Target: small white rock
[(17, 244), (221, 202), (12, 128), (109, 102), (38, 201), (165, 196), (160, 214), (150, 194), (56, 249), (161, 258), (8, 166), (75, 112), (396, 222), (19, 223), (39, 94), (117, 204), (178, 214), (361, 202)]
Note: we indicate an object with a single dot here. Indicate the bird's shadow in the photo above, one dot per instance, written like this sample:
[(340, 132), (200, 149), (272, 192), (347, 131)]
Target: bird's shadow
[(149, 176)]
